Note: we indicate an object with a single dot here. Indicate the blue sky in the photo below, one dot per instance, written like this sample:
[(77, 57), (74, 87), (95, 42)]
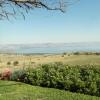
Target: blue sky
[(80, 23)]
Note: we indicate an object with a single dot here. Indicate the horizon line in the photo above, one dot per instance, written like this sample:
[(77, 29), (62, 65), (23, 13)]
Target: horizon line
[(50, 43)]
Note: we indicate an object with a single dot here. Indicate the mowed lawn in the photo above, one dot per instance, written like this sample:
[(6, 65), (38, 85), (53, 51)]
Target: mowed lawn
[(19, 91)]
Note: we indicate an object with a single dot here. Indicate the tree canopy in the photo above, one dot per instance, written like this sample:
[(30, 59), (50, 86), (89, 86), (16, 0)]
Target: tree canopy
[(11, 7)]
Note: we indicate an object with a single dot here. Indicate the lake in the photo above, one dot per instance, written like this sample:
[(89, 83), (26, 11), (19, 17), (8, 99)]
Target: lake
[(50, 48)]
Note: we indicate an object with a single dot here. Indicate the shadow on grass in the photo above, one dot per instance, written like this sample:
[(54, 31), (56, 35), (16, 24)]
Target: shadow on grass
[(10, 84)]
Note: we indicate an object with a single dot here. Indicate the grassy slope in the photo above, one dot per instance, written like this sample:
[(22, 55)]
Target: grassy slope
[(19, 91)]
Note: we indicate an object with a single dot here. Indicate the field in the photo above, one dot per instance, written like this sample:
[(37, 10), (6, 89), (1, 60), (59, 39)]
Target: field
[(7, 60), (19, 91)]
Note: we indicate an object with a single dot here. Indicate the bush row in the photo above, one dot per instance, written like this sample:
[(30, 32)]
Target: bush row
[(82, 79)]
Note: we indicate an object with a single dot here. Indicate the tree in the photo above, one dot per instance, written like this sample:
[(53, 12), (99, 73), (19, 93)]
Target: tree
[(12, 7)]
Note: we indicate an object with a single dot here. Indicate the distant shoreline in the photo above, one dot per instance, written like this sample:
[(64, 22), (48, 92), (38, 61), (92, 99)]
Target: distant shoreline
[(63, 53)]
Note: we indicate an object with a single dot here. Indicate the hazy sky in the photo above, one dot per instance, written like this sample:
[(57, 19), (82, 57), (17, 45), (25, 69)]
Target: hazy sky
[(81, 23)]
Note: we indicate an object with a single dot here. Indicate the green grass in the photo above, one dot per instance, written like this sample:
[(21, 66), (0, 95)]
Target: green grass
[(19, 91)]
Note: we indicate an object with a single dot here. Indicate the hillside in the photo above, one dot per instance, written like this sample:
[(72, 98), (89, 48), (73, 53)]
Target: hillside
[(18, 91)]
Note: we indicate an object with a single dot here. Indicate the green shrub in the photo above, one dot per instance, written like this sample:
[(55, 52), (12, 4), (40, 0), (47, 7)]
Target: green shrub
[(15, 63), (18, 75), (82, 79), (64, 54), (8, 63), (76, 53)]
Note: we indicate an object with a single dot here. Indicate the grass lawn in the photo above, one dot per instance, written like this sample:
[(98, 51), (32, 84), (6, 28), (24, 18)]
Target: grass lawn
[(18, 91)]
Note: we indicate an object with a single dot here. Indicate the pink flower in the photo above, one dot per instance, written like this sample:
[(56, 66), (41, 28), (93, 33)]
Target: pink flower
[(6, 74)]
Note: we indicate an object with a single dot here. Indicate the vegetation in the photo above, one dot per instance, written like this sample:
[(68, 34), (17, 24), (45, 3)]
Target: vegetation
[(64, 54), (19, 91), (80, 79), (76, 73), (22, 6), (69, 58), (15, 63), (86, 53), (9, 63)]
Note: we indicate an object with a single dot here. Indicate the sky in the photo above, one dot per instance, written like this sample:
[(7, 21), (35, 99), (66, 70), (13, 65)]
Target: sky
[(80, 23)]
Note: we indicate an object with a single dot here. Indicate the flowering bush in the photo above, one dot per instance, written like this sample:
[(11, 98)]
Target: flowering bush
[(6, 74)]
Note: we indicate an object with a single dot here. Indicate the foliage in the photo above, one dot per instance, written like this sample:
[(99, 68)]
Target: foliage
[(6, 74), (86, 53), (64, 54), (14, 7), (8, 63), (76, 53), (81, 79), (18, 75), (15, 63)]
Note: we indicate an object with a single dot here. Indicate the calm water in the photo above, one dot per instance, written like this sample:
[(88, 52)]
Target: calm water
[(51, 48)]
